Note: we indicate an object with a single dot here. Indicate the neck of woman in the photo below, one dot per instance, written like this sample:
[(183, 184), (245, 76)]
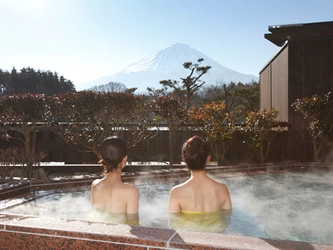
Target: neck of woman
[(198, 173), (115, 174)]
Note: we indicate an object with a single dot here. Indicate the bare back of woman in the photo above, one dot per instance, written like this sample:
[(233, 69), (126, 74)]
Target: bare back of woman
[(200, 203), (199, 194), (110, 196)]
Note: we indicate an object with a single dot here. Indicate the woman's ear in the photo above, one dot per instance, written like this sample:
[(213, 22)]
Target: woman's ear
[(124, 161), (208, 158)]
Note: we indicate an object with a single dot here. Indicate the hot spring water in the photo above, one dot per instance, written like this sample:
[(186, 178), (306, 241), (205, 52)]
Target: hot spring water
[(288, 206)]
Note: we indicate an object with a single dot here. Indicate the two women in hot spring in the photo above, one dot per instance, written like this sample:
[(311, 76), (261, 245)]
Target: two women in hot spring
[(200, 203)]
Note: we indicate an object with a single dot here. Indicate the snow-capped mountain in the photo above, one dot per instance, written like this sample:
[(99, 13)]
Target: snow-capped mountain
[(168, 64)]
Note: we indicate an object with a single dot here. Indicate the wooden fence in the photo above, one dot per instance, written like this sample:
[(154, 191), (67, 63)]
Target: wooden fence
[(286, 146)]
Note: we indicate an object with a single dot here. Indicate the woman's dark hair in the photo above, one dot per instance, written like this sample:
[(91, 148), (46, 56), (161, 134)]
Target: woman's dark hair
[(112, 152), (195, 153)]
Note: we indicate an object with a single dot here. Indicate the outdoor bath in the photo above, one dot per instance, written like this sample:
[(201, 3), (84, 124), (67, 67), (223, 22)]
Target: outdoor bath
[(271, 209)]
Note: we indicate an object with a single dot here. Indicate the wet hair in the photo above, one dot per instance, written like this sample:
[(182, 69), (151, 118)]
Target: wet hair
[(194, 153), (112, 152)]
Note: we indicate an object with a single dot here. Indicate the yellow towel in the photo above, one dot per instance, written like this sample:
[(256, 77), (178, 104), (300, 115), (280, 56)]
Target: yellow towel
[(199, 221)]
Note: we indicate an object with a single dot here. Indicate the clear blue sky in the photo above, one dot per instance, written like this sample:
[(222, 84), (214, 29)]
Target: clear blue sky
[(87, 39)]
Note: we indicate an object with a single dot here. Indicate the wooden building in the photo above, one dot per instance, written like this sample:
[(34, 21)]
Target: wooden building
[(303, 67)]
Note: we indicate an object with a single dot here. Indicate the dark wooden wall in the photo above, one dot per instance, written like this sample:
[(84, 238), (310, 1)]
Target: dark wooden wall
[(300, 69), (284, 147), (310, 72)]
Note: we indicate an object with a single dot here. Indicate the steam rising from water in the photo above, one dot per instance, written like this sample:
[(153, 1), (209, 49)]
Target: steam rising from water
[(294, 206)]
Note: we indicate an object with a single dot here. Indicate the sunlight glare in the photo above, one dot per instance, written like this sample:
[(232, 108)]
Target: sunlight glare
[(22, 7)]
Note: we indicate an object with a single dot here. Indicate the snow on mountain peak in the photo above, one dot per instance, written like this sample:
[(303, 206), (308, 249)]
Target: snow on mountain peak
[(165, 64), (168, 59)]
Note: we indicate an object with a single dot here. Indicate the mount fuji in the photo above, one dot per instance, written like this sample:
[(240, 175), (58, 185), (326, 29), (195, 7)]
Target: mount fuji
[(168, 64)]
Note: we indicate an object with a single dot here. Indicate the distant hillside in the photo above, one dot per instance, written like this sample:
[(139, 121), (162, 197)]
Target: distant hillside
[(168, 64)]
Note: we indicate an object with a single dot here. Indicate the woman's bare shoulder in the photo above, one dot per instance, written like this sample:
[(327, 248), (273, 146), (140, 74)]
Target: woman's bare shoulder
[(96, 182), (223, 189), (179, 187), (130, 188), (220, 185), (179, 190)]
